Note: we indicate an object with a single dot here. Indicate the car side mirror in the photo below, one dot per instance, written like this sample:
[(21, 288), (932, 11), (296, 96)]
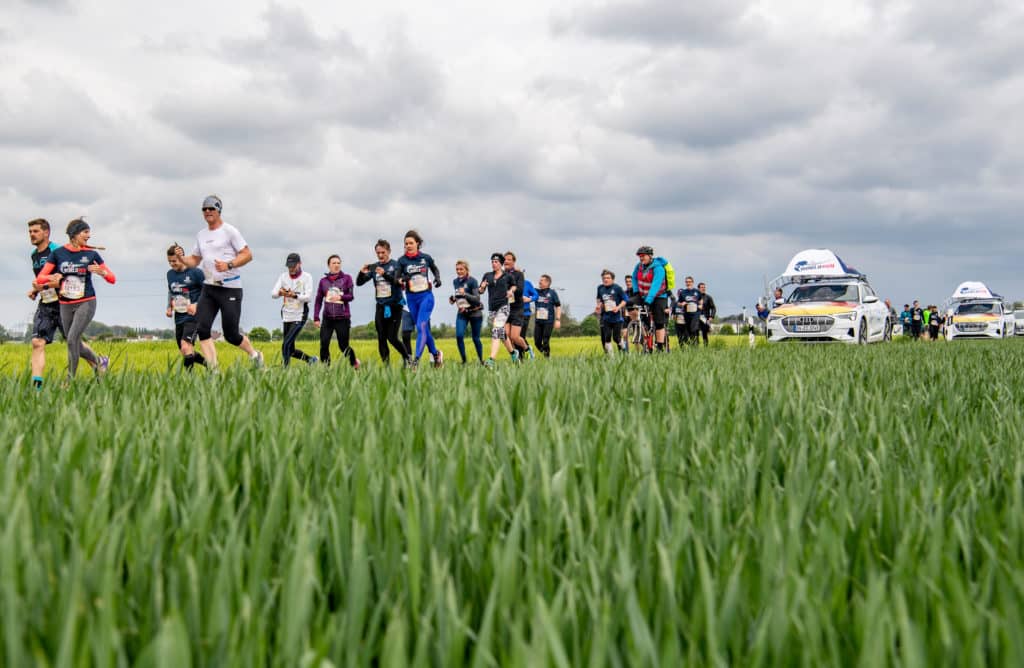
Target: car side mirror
[(871, 299)]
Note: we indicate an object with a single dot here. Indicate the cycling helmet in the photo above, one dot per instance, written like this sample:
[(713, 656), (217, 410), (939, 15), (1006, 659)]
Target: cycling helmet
[(645, 250)]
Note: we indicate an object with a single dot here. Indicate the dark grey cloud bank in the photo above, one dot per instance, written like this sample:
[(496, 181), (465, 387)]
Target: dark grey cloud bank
[(726, 139)]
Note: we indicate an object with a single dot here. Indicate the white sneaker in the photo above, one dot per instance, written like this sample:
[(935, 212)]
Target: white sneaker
[(257, 360)]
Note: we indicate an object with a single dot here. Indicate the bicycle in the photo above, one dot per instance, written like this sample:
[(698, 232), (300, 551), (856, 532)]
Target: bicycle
[(640, 332)]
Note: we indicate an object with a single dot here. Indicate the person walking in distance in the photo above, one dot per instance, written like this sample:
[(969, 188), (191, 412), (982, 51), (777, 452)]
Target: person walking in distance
[(334, 293), (689, 299), (46, 322), (220, 251), (916, 320), (74, 264), (548, 317), (387, 286), (708, 311), (296, 288), (184, 286)]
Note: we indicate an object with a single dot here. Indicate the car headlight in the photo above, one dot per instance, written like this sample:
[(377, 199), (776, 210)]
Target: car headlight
[(774, 318), (849, 315)]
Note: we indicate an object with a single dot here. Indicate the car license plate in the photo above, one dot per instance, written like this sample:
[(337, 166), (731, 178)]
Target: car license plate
[(806, 328)]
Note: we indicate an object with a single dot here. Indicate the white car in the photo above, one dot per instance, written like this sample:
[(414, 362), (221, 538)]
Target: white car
[(831, 309), (977, 319), (1018, 319)]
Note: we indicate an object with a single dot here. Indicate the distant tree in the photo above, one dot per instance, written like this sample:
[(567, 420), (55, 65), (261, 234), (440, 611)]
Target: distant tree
[(590, 326), (570, 326), (276, 335), (259, 334), (727, 330), (309, 332), (366, 332)]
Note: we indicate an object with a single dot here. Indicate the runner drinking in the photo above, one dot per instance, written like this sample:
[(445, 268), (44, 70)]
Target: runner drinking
[(75, 263), (414, 269), (549, 315), (296, 288), (184, 286), (387, 288), (499, 288), (220, 251), (46, 321), (471, 310), (611, 302), (334, 293)]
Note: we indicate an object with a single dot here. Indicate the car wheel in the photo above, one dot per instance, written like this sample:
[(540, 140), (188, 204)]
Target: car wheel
[(887, 332), (862, 333)]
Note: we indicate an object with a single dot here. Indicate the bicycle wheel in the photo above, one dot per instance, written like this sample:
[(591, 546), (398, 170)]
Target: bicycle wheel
[(634, 334)]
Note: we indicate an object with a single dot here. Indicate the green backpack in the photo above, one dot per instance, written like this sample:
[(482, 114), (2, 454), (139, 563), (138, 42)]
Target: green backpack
[(670, 273)]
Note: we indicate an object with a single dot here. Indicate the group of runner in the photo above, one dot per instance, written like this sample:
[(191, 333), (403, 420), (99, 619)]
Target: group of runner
[(918, 321), (206, 282)]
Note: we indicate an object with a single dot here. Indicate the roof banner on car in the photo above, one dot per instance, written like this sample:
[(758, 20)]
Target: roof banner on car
[(817, 262), (972, 290)]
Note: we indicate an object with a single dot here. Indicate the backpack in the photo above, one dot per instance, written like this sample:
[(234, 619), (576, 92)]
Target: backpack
[(670, 273)]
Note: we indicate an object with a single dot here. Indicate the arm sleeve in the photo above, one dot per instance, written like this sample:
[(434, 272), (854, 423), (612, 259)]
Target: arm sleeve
[(307, 293), (109, 275), (318, 302), (346, 290), (43, 277), (363, 278), (713, 309), (433, 267), (555, 300), (473, 292), (277, 286)]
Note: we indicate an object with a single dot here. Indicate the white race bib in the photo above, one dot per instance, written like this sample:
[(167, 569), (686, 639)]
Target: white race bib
[(333, 296), (917, 317), (681, 319), (691, 307), (609, 304), (292, 304), (500, 318), (383, 289), (72, 288), (418, 283), (542, 313), (179, 303), (48, 296), (462, 303)]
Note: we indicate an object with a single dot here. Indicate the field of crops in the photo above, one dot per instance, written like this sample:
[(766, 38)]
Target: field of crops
[(780, 505)]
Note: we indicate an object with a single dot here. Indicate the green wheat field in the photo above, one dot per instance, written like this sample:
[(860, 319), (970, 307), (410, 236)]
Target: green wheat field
[(782, 505)]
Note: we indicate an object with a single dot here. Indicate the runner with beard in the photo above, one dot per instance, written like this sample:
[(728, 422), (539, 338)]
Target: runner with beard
[(549, 316), (388, 292), (184, 287), (499, 287)]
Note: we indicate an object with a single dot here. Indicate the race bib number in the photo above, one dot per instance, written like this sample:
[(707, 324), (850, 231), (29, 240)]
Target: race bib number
[(383, 290), (180, 304), (542, 313), (418, 283), (691, 307), (333, 296), (609, 304), (681, 319), (462, 303), (917, 317), (292, 304), (500, 318), (48, 296), (72, 288)]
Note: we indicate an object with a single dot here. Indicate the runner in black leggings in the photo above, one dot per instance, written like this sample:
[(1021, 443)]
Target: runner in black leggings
[(388, 293)]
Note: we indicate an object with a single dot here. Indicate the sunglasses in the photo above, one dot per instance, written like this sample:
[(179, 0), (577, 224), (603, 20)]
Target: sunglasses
[(209, 208)]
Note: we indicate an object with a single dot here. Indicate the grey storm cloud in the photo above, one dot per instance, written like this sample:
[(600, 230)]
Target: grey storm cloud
[(659, 22)]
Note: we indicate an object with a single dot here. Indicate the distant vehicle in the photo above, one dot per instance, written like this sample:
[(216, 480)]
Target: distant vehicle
[(828, 301), (1018, 320), (975, 312)]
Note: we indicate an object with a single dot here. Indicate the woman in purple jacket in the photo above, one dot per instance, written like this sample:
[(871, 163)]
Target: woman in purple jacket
[(333, 294)]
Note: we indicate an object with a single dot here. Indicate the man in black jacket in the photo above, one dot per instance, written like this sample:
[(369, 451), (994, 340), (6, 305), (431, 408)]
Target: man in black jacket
[(708, 311)]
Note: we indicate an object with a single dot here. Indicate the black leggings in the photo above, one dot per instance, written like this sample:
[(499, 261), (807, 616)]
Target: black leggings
[(387, 332), (339, 327), (689, 332), (542, 335), (705, 328), (611, 332), (291, 334), (226, 301)]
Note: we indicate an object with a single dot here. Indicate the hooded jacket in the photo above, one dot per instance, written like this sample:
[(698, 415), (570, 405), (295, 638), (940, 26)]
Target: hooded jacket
[(333, 310)]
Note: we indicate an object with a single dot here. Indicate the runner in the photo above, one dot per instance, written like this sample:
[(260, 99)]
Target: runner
[(549, 316), (611, 301), (296, 287), (516, 316), (471, 310), (498, 286), (678, 308), (708, 311), (916, 320), (333, 293), (689, 298), (631, 309), (934, 323), (905, 319), (184, 287), (388, 292), (75, 263), (529, 297), (219, 251), (47, 320), (414, 268), (651, 289)]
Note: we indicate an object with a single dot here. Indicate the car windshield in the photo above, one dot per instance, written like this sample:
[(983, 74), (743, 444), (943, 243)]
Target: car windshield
[(978, 307), (825, 293)]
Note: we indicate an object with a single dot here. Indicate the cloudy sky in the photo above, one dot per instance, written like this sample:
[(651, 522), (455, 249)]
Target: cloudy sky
[(728, 134)]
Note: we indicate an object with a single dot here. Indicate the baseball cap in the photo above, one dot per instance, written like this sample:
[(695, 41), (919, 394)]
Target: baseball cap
[(213, 201), (293, 259)]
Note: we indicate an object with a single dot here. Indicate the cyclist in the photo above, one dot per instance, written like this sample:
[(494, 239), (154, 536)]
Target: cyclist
[(334, 295), (651, 287), (499, 288), (471, 310), (184, 286), (689, 298), (611, 302), (415, 268), (75, 263), (388, 292), (46, 322), (708, 311), (549, 315)]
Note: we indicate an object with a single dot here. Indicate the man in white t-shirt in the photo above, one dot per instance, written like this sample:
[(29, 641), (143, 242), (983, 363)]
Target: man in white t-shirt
[(219, 251), (296, 288)]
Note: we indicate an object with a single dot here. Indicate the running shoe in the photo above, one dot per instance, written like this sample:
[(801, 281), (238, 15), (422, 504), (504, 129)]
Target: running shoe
[(529, 351), (102, 365), (515, 357), (313, 359), (357, 364), (438, 360), (489, 363), (257, 360)]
